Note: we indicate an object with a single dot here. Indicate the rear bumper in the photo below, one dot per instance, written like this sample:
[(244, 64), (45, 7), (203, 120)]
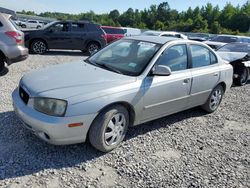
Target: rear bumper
[(16, 53), (54, 130)]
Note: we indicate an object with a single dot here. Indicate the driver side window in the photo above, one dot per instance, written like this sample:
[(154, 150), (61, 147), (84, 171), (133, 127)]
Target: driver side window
[(174, 57)]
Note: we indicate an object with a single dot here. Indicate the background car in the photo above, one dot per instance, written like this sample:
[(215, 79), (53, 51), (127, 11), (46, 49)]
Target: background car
[(238, 54), (221, 40), (113, 33), (131, 31), (129, 82), (164, 34), (32, 24), (12, 40), (71, 35)]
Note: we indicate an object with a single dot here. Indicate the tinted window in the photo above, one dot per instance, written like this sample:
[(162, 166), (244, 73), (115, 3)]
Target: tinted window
[(32, 22), (172, 35), (174, 57), (202, 56), (113, 30), (76, 27), (226, 39), (245, 40), (61, 27)]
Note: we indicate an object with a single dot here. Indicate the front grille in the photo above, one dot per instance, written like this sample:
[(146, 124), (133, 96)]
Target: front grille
[(24, 95)]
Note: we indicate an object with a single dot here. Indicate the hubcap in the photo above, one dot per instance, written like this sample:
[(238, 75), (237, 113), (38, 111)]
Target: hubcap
[(39, 47), (115, 129), (93, 48), (215, 99)]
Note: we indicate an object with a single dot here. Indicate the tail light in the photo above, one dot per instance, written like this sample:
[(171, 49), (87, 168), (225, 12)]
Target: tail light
[(15, 35)]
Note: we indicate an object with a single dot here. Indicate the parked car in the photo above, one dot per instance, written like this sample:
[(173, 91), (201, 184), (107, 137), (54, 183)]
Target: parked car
[(32, 24), (72, 35), (12, 40), (129, 82), (238, 54), (221, 40), (131, 31), (113, 33), (164, 34)]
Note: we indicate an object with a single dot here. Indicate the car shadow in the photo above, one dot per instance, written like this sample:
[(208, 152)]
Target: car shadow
[(65, 53), (22, 153), (4, 71)]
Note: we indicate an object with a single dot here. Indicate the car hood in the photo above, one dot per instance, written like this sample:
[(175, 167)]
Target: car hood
[(214, 43), (73, 79), (232, 56)]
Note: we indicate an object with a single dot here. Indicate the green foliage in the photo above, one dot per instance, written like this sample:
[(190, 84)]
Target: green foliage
[(207, 18)]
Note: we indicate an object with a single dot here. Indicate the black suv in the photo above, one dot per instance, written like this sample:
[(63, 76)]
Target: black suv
[(72, 35)]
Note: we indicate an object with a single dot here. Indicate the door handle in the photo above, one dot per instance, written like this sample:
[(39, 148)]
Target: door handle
[(185, 81)]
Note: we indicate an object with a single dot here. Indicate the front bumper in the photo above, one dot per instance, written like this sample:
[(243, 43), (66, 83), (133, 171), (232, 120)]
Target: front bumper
[(53, 130)]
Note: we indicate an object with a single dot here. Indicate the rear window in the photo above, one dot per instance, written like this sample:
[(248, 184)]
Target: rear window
[(226, 39), (113, 30)]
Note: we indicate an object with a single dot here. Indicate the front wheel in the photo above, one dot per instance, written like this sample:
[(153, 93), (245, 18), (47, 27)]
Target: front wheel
[(38, 47), (243, 75), (214, 99), (109, 128), (93, 47)]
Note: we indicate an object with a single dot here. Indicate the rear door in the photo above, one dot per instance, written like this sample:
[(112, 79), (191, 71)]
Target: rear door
[(79, 33), (59, 36), (205, 73)]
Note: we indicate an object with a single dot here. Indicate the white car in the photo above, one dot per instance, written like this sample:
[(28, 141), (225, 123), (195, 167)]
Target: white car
[(165, 34), (32, 24)]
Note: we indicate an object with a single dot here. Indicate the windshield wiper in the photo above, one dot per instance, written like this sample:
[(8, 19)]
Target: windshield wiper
[(108, 67)]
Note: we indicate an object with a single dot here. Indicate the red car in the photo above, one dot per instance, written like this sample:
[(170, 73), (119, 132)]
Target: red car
[(113, 33)]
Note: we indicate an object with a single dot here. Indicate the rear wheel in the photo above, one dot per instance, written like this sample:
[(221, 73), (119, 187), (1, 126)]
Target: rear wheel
[(93, 47), (109, 128), (38, 47), (243, 75), (214, 99)]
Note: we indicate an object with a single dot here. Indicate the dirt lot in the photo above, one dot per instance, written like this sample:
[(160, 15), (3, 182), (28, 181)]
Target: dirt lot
[(188, 149)]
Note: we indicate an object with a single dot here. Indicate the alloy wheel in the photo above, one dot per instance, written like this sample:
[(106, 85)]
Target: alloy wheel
[(215, 99), (39, 47)]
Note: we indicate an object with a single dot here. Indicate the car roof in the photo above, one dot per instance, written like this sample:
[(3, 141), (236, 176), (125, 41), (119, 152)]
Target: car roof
[(153, 39)]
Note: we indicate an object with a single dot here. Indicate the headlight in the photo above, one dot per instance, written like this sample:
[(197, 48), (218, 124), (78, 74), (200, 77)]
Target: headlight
[(52, 107)]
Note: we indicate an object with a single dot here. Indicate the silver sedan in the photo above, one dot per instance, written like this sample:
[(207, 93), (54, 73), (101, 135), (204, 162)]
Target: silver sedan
[(129, 82)]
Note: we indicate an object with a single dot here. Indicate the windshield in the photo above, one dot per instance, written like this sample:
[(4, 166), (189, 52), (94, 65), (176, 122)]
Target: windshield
[(235, 48), (49, 24), (129, 57)]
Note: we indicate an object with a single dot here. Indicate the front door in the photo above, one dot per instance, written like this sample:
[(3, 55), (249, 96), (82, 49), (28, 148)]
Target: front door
[(59, 36), (168, 94)]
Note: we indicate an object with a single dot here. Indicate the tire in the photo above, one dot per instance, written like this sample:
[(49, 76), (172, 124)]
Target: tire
[(92, 47), (2, 63), (38, 47), (109, 128), (243, 75), (214, 99), (38, 27), (23, 26)]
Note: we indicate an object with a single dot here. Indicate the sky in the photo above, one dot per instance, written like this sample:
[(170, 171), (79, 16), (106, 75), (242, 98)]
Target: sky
[(101, 6)]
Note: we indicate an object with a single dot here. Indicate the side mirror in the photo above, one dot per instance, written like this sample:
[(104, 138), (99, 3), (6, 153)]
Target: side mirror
[(161, 70)]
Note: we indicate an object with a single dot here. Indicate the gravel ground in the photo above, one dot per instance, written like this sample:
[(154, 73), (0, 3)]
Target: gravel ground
[(188, 149)]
